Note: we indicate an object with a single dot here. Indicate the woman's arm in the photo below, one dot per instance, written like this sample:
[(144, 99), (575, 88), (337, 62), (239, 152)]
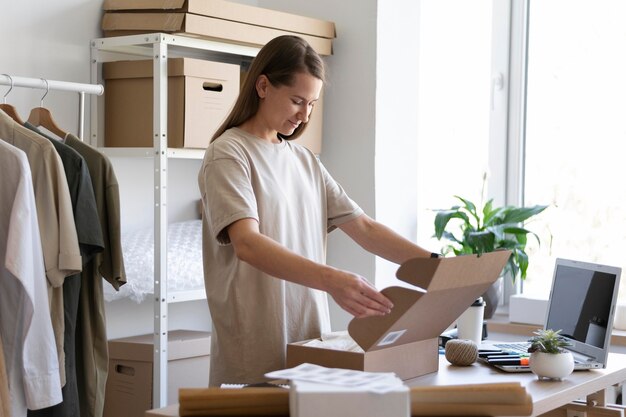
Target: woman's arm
[(380, 240), (352, 292)]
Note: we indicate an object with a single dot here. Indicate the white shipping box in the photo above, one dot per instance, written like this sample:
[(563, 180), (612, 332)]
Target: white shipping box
[(311, 399)]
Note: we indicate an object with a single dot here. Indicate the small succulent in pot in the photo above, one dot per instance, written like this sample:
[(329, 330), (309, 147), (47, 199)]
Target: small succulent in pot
[(548, 341), (548, 357)]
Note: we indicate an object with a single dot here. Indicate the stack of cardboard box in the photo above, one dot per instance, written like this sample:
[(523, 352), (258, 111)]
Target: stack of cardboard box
[(214, 19), (129, 84)]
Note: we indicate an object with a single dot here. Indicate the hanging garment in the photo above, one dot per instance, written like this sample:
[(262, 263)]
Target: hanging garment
[(41, 116), (5, 400), (90, 242), (91, 347), (27, 335), (54, 215)]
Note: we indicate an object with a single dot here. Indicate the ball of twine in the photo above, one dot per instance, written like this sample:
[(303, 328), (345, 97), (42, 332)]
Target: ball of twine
[(461, 352)]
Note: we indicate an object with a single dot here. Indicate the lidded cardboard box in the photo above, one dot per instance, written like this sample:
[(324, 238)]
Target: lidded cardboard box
[(214, 19), (129, 383), (406, 340), (200, 96)]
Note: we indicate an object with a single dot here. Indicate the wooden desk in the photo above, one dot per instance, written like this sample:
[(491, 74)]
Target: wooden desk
[(547, 395)]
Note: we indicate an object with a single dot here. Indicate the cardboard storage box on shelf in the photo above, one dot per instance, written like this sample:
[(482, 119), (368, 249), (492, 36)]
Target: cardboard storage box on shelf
[(406, 340), (200, 96), (117, 24), (236, 12), (129, 383)]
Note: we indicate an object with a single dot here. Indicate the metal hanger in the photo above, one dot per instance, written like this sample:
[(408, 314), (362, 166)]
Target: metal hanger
[(9, 109), (41, 116)]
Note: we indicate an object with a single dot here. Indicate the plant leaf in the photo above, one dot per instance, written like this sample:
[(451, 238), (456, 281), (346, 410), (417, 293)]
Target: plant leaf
[(491, 216), (469, 206), (519, 214), (444, 216), (471, 209), (481, 241)]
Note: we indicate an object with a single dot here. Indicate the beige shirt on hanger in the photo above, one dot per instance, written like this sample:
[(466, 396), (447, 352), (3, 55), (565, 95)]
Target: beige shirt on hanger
[(55, 217)]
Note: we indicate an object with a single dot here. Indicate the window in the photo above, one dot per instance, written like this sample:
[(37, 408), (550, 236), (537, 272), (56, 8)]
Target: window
[(576, 102), (457, 105)]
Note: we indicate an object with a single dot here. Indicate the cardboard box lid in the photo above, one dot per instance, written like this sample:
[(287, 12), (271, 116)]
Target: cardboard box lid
[(205, 27), (445, 288), (181, 344), (233, 11), (175, 67)]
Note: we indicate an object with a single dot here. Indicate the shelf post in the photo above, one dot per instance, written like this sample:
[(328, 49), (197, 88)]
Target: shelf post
[(159, 396)]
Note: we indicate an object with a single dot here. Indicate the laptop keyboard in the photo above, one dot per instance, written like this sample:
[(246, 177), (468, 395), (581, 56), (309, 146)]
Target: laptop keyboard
[(520, 347)]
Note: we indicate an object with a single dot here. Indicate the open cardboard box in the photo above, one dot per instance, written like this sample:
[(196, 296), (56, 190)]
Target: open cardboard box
[(406, 340)]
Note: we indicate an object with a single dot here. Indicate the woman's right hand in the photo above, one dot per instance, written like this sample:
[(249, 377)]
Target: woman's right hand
[(357, 296)]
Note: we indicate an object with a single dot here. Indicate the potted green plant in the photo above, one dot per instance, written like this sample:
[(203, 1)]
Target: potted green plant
[(485, 229), (548, 357)]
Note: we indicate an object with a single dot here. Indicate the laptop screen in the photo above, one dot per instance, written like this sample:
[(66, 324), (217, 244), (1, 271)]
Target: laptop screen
[(582, 305)]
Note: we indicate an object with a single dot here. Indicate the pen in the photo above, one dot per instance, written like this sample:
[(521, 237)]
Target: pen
[(500, 353), (508, 361), (511, 357)]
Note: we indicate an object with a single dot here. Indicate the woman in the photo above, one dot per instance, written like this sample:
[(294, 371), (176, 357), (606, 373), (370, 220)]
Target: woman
[(268, 206)]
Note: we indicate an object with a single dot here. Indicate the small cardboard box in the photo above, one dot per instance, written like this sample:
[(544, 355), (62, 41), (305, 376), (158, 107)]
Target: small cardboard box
[(406, 340), (311, 399), (116, 24), (236, 12), (200, 96), (129, 383)]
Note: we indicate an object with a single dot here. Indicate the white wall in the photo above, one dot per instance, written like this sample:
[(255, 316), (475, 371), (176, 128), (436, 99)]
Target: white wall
[(43, 39), (396, 124), (51, 39)]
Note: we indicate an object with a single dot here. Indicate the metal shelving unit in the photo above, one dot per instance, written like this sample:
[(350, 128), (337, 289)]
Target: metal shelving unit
[(158, 46)]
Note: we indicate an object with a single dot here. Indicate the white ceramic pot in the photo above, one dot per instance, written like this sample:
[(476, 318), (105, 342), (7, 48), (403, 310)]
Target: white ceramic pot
[(551, 365)]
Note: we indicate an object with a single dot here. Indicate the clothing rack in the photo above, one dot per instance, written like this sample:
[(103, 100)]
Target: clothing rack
[(44, 84)]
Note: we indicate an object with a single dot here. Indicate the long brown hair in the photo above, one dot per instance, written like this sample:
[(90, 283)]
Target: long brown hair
[(279, 60)]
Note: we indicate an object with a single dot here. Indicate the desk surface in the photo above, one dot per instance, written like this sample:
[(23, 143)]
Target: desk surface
[(547, 395)]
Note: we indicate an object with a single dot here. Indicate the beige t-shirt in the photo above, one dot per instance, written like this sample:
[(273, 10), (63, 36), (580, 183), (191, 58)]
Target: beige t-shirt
[(296, 202)]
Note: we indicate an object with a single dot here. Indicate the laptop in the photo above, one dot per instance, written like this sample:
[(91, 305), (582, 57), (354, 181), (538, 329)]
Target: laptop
[(582, 304)]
